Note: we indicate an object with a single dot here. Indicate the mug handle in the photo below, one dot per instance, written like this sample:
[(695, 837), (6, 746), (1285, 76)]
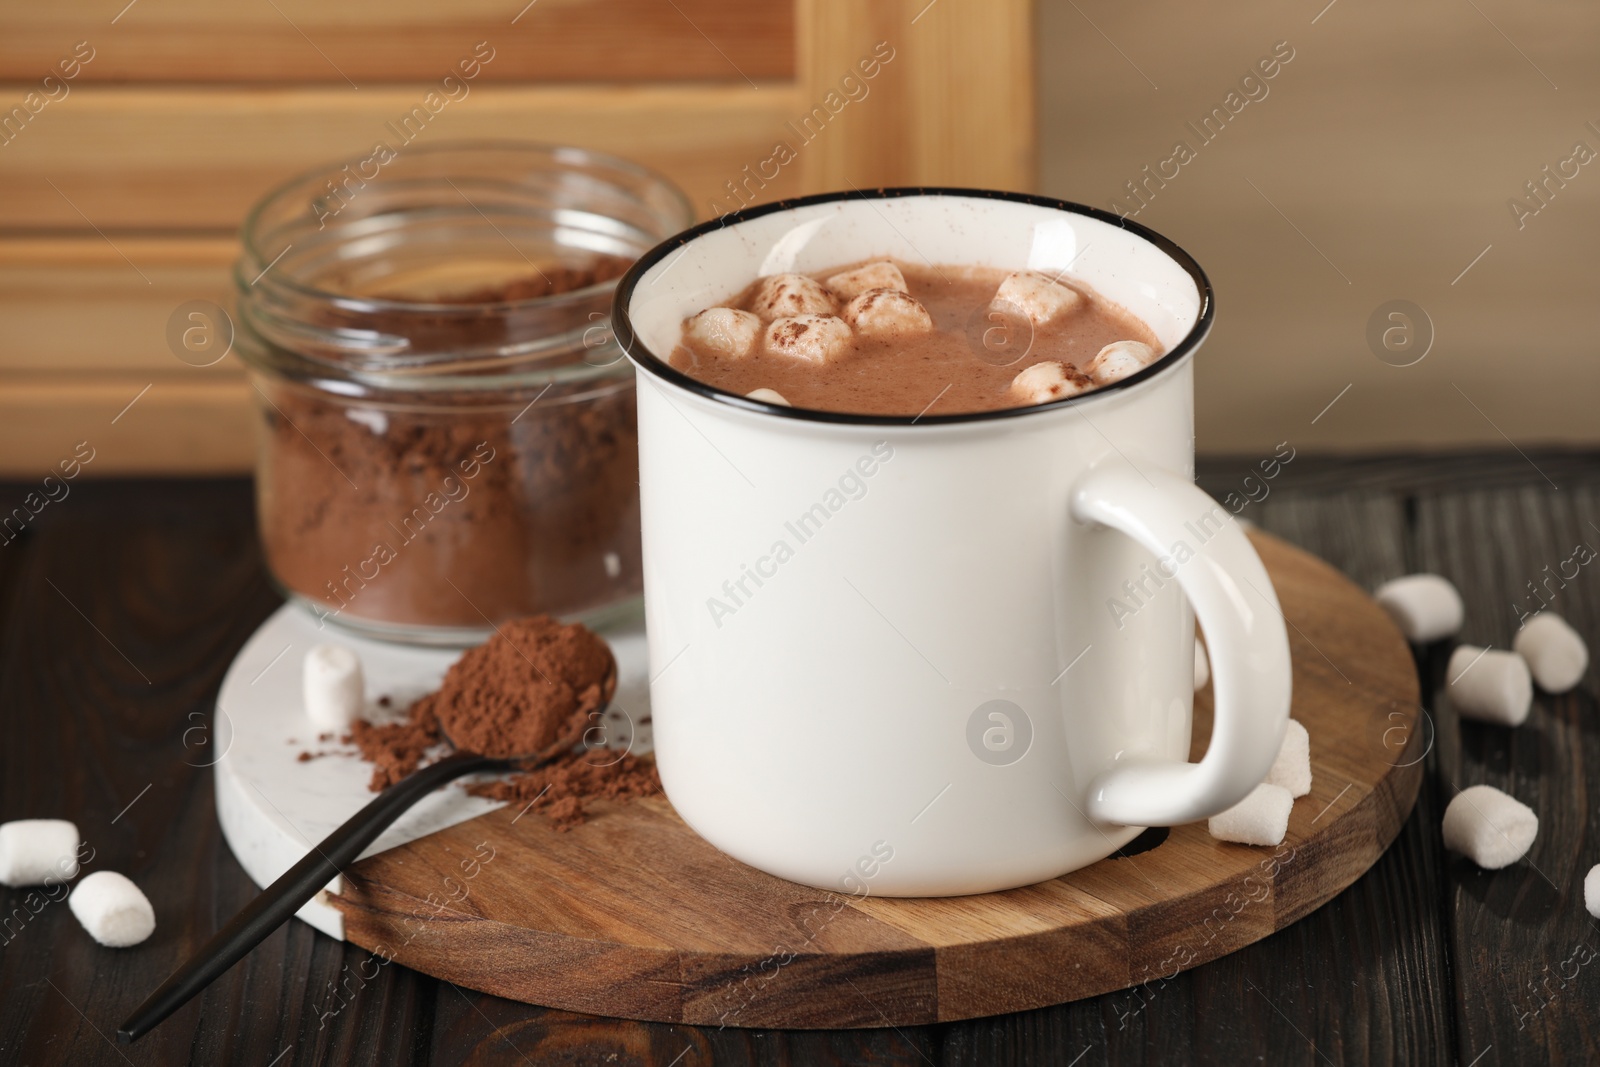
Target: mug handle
[(1234, 600)]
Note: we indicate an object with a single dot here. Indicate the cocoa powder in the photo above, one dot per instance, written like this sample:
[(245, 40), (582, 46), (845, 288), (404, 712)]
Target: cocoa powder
[(532, 684), (562, 789), (454, 509)]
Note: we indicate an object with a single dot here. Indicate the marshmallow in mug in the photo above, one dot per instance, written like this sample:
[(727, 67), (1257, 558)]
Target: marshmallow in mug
[(1261, 818), (726, 332), (813, 338), (1119, 359), (1426, 607), (1490, 685), (1556, 654), (888, 313), (1491, 828), (114, 910), (1047, 381), (785, 296), (334, 688), (1041, 299), (38, 851), (849, 284)]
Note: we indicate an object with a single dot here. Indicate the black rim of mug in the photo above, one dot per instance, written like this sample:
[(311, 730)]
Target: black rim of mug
[(622, 323)]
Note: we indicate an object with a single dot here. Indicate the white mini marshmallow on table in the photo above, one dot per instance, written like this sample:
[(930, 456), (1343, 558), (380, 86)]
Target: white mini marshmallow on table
[(1426, 607), (813, 338), (1556, 654), (1491, 828), (887, 313), (114, 910), (1047, 381), (1119, 359), (1490, 685), (1591, 891), (334, 689), (725, 332), (769, 396), (783, 296), (1041, 299), (1262, 818), (1292, 768), (36, 851), (1202, 667), (849, 284)]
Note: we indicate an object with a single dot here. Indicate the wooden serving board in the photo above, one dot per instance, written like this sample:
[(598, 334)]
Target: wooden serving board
[(633, 915)]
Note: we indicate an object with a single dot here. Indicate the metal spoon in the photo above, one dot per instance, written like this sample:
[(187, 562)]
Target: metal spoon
[(280, 900)]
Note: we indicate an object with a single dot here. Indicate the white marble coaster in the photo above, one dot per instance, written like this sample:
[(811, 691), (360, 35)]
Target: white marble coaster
[(273, 807)]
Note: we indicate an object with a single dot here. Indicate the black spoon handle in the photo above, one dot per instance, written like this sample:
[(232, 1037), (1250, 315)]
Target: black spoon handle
[(299, 883)]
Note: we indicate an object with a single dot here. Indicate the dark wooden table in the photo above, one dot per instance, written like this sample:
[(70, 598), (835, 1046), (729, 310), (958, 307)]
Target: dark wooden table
[(122, 606)]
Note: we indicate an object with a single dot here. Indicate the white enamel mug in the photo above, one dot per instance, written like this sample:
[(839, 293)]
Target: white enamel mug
[(953, 653)]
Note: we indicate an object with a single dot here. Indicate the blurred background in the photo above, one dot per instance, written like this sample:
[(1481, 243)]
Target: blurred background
[(1396, 205)]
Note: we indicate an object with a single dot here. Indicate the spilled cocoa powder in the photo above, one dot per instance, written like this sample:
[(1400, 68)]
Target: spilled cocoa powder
[(561, 789), (531, 685)]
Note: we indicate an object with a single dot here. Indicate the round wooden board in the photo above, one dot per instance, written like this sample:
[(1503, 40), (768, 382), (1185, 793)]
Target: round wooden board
[(633, 915)]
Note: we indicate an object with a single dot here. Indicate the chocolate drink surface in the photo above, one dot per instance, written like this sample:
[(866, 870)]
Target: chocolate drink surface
[(892, 338)]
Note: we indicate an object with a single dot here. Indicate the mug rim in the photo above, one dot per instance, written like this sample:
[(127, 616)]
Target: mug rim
[(644, 359)]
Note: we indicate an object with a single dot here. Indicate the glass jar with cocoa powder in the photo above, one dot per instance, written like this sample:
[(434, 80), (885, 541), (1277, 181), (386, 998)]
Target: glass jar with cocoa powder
[(446, 426)]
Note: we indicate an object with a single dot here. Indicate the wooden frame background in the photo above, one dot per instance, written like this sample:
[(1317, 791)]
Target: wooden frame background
[(123, 182)]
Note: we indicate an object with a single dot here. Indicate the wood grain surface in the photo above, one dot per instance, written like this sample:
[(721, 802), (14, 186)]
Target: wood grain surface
[(1415, 963), (118, 197), (367, 41), (197, 161), (634, 915)]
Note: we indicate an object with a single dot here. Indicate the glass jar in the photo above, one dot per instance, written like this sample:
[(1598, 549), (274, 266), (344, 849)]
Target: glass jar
[(446, 426)]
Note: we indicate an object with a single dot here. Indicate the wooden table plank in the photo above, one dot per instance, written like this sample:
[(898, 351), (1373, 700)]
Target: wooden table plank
[(117, 584), (170, 572), (1523, 946)]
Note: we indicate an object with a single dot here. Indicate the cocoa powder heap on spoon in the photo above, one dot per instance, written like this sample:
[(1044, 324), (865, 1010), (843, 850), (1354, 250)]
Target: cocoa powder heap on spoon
[(532, 684)]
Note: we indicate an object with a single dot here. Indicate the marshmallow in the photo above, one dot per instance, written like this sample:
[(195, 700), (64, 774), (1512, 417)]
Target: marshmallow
[(1426, 607), (1591, 891), (37, 851), (112, 909), (1292, 768), (1262, 818), (1202, 667), (848, 285), (814, 338), (1036, 296), (1047, 381), (1120, 359), (1555, 653), (334, 690), (725, 332), (1490, 828), (887, 313), (769, 396), (784, 296), (1490, 686)]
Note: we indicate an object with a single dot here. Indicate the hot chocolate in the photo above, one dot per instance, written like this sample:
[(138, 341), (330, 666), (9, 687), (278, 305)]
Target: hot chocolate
[(889, 338)]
